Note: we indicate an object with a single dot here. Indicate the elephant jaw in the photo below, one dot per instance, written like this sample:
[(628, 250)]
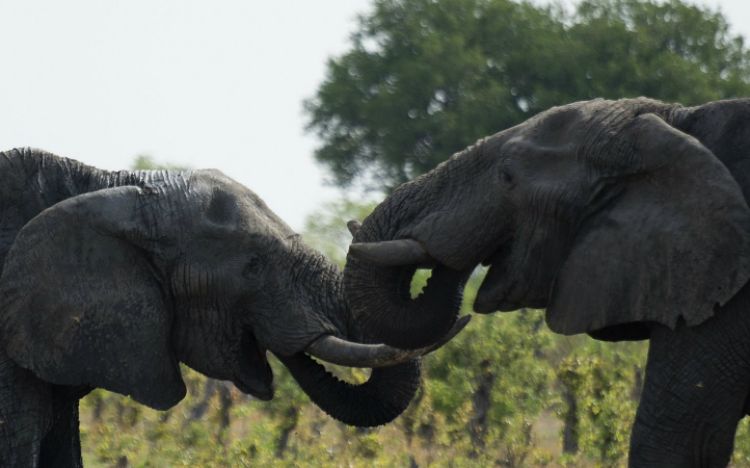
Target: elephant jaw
[(496, 292), (253, 374)]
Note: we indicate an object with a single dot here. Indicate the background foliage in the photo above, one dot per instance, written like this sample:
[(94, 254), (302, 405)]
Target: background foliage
[(426, 78), (423, 79)]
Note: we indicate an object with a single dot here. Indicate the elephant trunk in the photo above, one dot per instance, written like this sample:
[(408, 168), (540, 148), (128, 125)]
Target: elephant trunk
[(378, 401), (359, 305), (388, 391), (383, 307), (422, 224), (379, 269)]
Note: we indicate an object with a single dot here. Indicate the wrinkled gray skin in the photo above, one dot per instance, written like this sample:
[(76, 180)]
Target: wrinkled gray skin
[(110, 279), (625, 220)]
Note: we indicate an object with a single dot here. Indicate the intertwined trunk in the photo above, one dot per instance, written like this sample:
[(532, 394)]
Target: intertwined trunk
[(429, 211), (380, 296), (381, 302), (388, 391)]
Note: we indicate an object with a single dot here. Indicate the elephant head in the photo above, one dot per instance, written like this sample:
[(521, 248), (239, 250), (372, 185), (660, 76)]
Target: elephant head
[(114, 287), (603, 212)]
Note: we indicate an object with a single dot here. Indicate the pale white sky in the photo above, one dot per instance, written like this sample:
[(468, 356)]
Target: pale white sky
[(203, 83)]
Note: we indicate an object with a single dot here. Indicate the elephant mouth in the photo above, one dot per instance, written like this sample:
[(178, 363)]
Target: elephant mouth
[(254, 375), (498, 290)]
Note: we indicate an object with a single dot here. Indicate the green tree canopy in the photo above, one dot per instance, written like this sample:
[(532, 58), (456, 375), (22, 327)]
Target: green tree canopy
[(146, 162), (425, 78)]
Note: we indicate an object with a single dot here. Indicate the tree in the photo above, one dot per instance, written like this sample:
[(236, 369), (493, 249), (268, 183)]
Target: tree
[(325, 229), (425, 78), (146, 162)]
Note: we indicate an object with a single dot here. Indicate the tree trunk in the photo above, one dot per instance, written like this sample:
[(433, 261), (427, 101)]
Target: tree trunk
[(481, 404), (225, 407), (570, 421), (291, 418)]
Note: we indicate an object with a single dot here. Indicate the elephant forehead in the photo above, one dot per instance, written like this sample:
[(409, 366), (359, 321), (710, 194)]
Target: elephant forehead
[(555, 125)]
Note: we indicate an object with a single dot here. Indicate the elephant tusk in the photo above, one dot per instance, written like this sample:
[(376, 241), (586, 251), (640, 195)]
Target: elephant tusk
[(353, 225), (346, 353), (400, 252)]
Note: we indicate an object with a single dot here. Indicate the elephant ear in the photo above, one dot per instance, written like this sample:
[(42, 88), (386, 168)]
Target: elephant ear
[(670, 246), (81, 302)]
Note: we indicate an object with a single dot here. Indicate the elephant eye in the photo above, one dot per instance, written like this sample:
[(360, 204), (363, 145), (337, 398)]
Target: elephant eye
[(506, 176), (252, 267)]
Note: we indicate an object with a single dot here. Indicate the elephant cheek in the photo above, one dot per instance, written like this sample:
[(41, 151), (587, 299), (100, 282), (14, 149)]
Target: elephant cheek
[(505, 292)]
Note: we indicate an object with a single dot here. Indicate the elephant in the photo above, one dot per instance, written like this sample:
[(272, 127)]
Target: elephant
[(110, 279), (624, 219)]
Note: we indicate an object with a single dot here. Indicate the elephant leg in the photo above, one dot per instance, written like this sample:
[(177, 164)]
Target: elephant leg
[(61, 447), (38, 421), (26, 415), (697, 381)]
